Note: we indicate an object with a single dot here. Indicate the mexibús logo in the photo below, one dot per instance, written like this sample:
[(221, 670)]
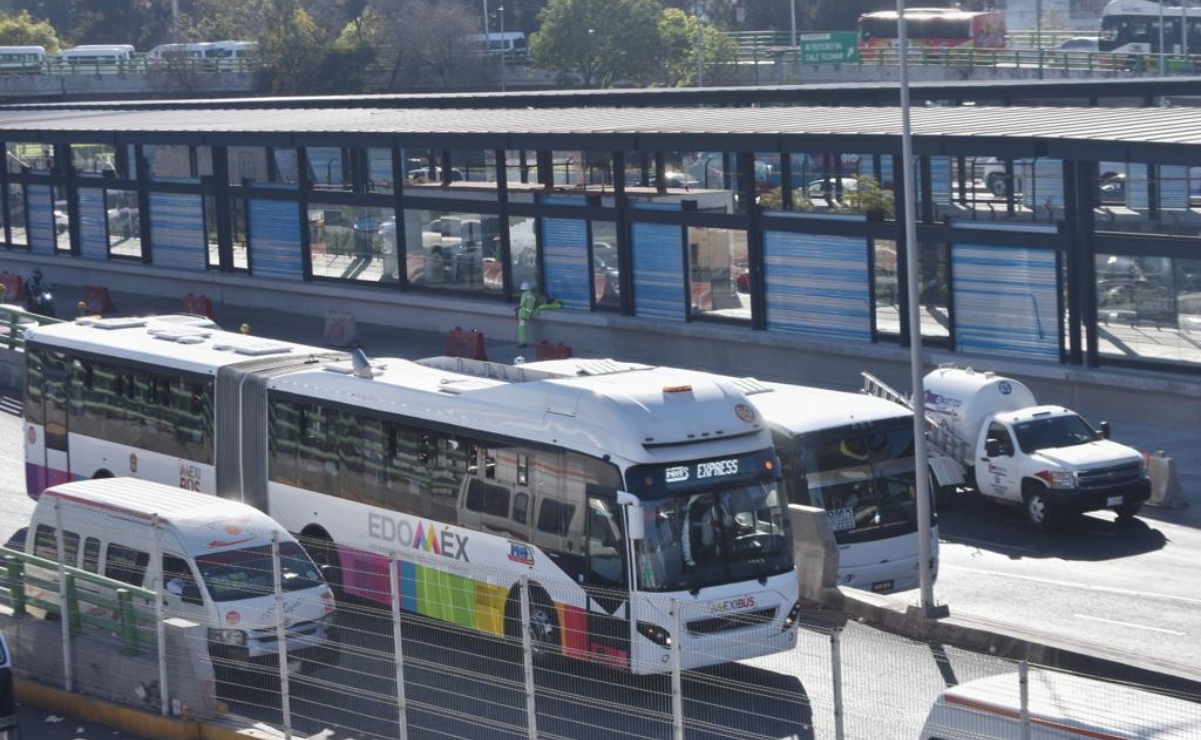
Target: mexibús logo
[(1005, 387), (678, 474), (730, 605), (425, 536)]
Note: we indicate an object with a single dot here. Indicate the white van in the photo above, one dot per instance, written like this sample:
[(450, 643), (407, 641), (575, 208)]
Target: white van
[(1061, 707), (213, 565)]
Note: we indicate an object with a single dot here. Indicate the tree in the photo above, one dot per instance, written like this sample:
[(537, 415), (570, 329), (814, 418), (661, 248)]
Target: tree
[(22, 30), (678, 32), (600, 42), (423, 42), (290, 50)]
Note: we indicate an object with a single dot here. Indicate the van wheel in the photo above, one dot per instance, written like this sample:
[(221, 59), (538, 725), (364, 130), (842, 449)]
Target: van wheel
[(1034, 504), (325, 556)]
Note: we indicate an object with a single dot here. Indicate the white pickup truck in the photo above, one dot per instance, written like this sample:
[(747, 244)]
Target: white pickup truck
[(987, 432)]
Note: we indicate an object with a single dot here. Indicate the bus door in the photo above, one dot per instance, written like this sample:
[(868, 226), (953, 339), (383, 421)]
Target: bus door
[(606, 575), (53, 408)]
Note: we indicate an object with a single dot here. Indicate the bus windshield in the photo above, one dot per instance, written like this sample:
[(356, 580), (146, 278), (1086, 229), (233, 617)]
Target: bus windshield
[(709, 535), (233, 575), (864, 479)]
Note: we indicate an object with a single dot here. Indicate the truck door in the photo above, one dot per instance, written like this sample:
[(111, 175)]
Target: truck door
[(998, 475)]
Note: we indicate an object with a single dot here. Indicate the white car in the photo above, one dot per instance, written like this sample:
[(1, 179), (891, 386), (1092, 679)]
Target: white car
[(818, 188)]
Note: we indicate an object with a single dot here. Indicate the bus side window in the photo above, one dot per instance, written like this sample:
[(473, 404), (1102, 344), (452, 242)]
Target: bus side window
[(521, 506), (554, 517)]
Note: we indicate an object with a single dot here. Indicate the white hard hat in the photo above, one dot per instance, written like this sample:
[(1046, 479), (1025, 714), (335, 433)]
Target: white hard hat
[(526, 285)]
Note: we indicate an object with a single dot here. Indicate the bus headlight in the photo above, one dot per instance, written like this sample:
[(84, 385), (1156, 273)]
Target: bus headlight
[(237, 638), (655, 634), (794, 616)]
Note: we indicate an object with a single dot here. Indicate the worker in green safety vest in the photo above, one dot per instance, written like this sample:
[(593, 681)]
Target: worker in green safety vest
[(528, 309)]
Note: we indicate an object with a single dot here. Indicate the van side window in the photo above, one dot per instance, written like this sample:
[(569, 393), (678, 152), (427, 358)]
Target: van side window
[(45, 545), (91, 555), (178, 579), (126, 564)]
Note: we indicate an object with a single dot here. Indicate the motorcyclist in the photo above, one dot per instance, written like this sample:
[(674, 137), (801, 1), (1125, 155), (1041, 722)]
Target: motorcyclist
[(34, 287)]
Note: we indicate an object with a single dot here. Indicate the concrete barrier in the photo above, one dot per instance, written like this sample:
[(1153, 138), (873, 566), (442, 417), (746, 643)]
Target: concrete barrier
[(816, 554), (1165, 483), (102, 673)]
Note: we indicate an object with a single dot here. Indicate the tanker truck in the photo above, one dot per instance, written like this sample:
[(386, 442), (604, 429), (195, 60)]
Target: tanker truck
[(986, 432)]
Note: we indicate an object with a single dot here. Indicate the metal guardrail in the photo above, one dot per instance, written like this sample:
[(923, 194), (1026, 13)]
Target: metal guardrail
[(14, 320), (107, 606), (140, 65)]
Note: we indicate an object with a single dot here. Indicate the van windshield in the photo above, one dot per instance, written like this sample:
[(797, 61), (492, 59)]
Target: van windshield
[(246, 574)]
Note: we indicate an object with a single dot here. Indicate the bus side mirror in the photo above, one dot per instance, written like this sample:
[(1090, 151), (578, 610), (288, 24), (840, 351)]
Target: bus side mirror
[(635, 528)]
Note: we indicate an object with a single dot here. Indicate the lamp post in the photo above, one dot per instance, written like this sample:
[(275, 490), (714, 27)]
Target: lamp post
[(486, 39), (501, 10), (1038, 34), (921, 470), (792, 13), (700, 50), (1161, 40)]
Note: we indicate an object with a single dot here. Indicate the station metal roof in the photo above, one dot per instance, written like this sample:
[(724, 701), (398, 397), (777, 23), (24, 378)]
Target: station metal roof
[(1136, 90), (1167, 135)]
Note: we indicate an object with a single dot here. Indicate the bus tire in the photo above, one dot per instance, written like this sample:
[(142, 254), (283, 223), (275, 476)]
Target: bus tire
[(321, 548), (545, 640), (99, 474)]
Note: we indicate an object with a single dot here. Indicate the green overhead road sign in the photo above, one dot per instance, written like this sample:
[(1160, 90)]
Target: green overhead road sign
[(837, 47)]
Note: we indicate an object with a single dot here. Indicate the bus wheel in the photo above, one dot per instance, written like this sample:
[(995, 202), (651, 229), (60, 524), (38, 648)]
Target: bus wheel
[(325, 556), (544, 622)]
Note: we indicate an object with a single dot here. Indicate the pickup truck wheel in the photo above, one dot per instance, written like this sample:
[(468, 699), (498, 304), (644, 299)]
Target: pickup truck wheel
[(1034, 504), (1126, 512)]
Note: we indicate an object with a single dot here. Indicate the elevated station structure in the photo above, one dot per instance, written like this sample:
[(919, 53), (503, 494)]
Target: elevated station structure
[(755, 238)]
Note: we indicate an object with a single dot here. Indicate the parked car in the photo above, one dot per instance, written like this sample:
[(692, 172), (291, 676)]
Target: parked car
[(61, 224), (422, 174), (1188, 313), (1078, 43), (817, 189), (1112, 189)]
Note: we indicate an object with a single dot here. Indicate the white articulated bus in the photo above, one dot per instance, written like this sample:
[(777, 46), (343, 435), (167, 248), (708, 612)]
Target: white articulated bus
[(601, 492), (847, 453), (1134, 26)]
